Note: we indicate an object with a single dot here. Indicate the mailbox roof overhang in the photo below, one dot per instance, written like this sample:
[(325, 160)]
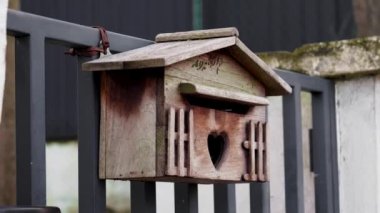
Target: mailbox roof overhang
[(171, 48)]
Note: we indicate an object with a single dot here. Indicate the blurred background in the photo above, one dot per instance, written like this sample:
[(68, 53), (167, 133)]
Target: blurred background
[(264, 25)]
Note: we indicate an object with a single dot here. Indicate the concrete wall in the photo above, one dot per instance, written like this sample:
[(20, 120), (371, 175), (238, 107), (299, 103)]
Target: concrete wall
[(354, 65), (358, 122)]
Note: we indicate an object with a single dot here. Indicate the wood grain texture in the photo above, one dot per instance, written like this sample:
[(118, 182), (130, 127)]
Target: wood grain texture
[(168, 53), (260, 150), (152, 128), (129, 127), (250, 145), (197, 34), (181, 143), (171, 168), (191, 143), (103, 118), (218, 70), (274, 84), (234, 163), (161, 116), (158, 55), (221, 94)]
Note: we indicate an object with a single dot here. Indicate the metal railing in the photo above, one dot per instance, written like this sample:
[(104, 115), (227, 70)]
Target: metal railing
[(32, 32)]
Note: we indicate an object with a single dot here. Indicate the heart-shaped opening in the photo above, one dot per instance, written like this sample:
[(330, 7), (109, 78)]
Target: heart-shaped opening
[(216, 145)]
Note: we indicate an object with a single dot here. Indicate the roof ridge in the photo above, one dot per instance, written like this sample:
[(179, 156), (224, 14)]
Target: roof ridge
[(197, 34)]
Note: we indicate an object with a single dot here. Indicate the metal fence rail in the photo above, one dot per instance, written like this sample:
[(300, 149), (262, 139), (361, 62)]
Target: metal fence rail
[(32, 32), (323, 142)]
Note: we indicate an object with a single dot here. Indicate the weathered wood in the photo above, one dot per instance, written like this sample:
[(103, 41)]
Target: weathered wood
[(191, 142), (161, 118), (103, 117), (197, 34), (158, 55), (201, 118), (218, 70), (220, 94), (233, 163), (181, 143), (171, 169), (250, 144), (275, 85), (265, 153), (168, 53), (260, 149), (129, 127)]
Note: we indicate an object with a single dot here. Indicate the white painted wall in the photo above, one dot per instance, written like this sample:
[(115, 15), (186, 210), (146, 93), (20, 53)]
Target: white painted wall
[(3, 41), (358, 126), (276, 155)]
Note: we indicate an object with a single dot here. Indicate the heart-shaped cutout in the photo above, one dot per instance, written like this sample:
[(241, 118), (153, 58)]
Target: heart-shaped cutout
[(216, 145)]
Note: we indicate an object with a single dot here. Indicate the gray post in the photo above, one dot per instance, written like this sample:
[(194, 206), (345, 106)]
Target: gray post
[(92, 190), (143, 197), (224, 198), (30, 120), (186, 197), (294, 187)]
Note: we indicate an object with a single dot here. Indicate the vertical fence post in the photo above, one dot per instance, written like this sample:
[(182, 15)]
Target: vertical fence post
[(92, 190), (186, 198), (294, 192), (30, 120), (260, 198), (224, 198), (143, 197), (323, 161)]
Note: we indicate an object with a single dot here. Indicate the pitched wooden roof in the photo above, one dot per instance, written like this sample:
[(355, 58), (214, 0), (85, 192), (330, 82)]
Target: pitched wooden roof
[(171, 48)]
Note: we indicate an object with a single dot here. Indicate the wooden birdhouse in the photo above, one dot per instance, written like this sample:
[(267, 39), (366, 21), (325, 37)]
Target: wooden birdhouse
[(191, 107)]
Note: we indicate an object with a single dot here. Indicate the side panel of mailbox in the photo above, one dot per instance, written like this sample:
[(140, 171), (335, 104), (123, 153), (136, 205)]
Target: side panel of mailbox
[(128, 124)]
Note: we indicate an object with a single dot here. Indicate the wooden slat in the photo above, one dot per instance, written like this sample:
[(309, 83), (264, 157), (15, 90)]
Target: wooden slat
[(180, 143), (251, 145), (171, 140), (191, 141), (221, 94), (197, 34), (266, 153), (260, 148), (252, 150)]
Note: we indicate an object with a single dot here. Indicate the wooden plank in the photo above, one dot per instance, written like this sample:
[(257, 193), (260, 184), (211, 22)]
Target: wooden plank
[(103, 117), (221, 94), (266, 153), (158, 55), (250, 144), (191, 141), (197, 34), (260, 149), (161, 126), (129, 128), (171, 170), (181, 143)]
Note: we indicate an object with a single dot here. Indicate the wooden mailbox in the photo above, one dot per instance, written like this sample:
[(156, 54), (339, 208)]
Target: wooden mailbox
[(191, 107)]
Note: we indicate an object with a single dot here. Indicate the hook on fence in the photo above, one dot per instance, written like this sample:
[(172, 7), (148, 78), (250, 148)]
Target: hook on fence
[(103, 48)]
